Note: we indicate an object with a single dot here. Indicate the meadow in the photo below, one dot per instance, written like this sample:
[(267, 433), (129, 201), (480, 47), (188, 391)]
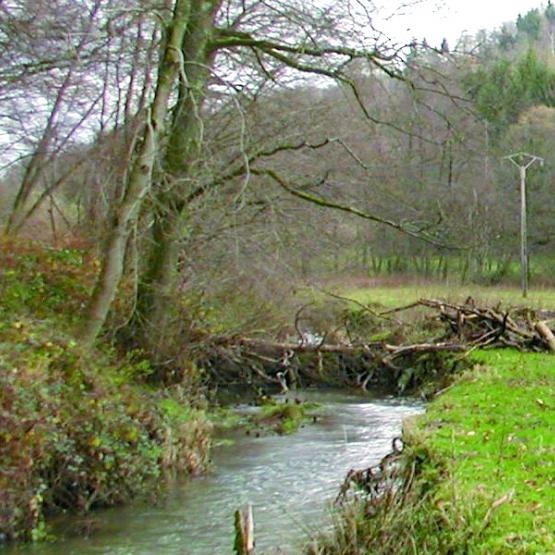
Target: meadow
[(394, 295)]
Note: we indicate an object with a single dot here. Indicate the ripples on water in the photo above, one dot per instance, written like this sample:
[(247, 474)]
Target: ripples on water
[(290, 482)]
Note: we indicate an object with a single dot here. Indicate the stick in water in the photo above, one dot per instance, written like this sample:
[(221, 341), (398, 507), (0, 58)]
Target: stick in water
[(244, 531)]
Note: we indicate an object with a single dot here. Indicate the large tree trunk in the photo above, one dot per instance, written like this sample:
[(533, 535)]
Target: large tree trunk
[(155, 307), (156, 301), (139, 181)]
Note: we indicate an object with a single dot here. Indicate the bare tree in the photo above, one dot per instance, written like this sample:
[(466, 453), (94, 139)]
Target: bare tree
[(139, 180), (69, 71), (248, 46)]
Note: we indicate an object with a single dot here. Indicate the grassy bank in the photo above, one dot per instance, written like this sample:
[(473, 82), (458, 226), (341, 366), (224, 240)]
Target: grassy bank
[(496, 432), (77, 430), (481, 469)]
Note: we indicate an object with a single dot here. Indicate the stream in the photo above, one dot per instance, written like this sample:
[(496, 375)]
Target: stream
[(289, 480)]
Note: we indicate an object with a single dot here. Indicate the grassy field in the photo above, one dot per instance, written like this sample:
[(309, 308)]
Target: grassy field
[(496, 430), (391, 296)]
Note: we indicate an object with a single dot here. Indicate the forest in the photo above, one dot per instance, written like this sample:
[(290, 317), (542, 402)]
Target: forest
[(196, 194)]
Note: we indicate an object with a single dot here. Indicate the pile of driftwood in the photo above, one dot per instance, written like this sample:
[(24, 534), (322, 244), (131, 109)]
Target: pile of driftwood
[(384, 364), (475, 326), (290, 365)]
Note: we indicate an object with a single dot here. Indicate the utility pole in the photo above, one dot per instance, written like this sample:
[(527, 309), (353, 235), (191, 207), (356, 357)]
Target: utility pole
[(523, 161)]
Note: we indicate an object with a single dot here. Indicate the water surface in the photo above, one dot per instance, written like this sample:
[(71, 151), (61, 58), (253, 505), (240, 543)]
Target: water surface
[(289, 480)]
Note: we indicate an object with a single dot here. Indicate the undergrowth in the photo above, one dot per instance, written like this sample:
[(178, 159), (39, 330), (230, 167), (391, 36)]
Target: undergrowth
[(77, 430)]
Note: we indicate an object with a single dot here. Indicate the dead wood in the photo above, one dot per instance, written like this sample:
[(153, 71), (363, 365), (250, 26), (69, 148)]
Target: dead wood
[(399, 367), (546, 334), (483, 326)]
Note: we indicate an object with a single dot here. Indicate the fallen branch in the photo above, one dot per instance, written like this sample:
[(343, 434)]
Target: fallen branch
[(495, 505), (546, 334), (398, 367), (477, 326)]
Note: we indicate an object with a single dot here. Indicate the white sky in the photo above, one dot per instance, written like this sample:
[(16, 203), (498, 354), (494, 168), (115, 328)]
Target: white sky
[(435, 19)]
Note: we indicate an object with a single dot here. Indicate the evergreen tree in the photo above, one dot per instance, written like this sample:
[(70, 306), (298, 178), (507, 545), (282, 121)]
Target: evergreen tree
[(506, 38), (507, 89), (530, 24)]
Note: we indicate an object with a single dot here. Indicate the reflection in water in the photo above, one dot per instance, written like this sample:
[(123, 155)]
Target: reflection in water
[(288, 480)]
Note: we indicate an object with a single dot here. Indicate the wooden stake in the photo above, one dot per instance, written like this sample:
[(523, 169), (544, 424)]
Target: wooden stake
[(244, 531)]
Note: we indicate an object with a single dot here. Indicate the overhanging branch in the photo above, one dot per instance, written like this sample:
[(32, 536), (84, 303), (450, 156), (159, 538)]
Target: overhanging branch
[(319, 201), (239, 171), (228, 38)]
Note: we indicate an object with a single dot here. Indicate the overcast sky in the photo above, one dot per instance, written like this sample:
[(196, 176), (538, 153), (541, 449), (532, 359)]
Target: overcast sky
[(434, 20)]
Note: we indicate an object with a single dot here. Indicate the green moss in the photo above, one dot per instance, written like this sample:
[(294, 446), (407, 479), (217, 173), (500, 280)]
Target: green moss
[(224, 418), (176, 411), (285, 418)]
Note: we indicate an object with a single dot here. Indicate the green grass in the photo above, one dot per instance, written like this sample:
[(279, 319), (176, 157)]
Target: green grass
[(481, 467), (496, 429), (393, 296)]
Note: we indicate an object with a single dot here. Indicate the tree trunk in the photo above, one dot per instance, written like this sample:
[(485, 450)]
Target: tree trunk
[(364, 257), (445, 273), (427, 266), (155, 304), (138, 183), (155, 307), (465, 268)]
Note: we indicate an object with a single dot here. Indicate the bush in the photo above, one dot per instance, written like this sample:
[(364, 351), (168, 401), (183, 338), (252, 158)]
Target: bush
[(76, 430), (74, 437)]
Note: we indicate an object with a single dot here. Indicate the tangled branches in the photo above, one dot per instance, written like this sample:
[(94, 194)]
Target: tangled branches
[(475, 326)]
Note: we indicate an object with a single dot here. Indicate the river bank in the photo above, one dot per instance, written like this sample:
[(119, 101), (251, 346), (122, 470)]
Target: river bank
[(290, 480), (78, 430), (84, 430), (81, 429), (479, 469)]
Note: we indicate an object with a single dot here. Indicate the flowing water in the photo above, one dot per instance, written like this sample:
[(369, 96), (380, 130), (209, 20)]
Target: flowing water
[(289, 480)]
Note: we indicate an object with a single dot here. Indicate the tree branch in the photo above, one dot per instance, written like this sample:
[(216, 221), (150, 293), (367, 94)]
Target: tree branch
[(319, 201)]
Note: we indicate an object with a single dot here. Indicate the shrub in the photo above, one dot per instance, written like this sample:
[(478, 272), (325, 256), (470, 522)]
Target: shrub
[(74, 437), (76, 430)]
